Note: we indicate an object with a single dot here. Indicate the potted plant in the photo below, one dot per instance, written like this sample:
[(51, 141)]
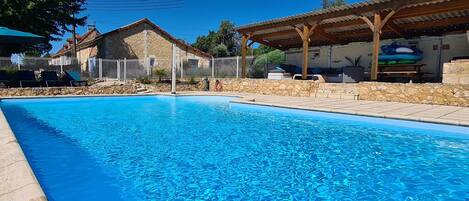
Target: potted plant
[(354, 72), (354, 62)]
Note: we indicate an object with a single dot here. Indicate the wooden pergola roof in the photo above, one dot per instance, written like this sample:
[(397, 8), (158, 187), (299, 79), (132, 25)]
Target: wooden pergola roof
[(345, 24)]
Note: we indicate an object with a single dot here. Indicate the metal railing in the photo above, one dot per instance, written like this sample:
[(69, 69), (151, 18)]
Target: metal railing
[(38, 64), (130, 69)]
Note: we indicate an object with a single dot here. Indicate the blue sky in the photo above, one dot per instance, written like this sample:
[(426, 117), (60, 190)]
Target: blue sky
[(190, 18)]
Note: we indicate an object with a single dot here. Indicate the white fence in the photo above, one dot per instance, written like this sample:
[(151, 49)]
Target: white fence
[(230, 67), (124, 69), (128, 69), (38, 64)]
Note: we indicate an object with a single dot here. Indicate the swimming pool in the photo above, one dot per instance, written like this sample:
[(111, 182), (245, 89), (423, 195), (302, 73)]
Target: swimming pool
[(180, 148)]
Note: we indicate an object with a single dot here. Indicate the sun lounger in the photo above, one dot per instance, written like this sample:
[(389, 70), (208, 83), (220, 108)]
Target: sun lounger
[(28, 79), (51, 79), (74, 78)]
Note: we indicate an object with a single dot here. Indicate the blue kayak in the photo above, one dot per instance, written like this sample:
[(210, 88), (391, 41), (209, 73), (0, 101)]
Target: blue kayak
[(397, 57)]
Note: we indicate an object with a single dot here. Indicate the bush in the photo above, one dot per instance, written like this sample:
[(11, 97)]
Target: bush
[(192, 80), (144, 80), (160, 72)]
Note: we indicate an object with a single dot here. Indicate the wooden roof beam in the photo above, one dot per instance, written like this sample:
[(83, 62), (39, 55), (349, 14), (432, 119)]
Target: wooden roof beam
[(330, 37), (450, 6), (443, 7), (403, 13), (437, 23), (396, 29), (351, 11), (274, 34)]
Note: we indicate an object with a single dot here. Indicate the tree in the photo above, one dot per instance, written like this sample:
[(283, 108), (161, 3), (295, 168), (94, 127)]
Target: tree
[(325, 4), (332, 3), (48, 18), (206, 43), (263, 49), (338, 3), (228, 36), (220, 51), (272, 57), (223, 42)]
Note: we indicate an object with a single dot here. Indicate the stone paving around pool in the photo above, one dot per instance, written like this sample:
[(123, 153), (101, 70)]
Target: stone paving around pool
[(17, 180), (405, 111)]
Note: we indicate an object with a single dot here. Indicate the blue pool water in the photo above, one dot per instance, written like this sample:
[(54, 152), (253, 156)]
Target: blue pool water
[(204, 148)]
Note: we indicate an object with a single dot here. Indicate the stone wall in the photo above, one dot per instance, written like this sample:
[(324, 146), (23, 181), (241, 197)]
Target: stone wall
[(456, 72), (97, 90), (438, 94), (166, 87), (61, 91)]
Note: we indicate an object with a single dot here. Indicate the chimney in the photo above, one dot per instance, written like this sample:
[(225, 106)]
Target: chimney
[(91, 26)]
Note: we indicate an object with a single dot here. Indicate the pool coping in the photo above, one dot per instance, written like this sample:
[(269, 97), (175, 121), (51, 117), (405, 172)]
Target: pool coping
[(17, 179), (247, 99), (365, 114), (250, 99)]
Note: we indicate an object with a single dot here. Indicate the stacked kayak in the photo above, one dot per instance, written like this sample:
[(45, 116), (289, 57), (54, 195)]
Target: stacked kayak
[(399, 54)]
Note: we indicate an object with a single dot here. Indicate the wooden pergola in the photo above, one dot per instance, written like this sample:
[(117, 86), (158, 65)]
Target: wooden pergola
[(366, 21)]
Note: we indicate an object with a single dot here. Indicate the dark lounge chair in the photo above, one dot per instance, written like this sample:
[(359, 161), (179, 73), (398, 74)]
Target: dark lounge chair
[(4, 80), (74, 78), (50, 79), (28, 79)]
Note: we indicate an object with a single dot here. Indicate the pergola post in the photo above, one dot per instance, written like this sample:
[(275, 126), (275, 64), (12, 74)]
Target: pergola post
[(376, 27), (376, 45), (305, 35), (244, 52)]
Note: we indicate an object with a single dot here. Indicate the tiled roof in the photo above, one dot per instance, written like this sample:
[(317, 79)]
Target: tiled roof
[(165, 34), (91, 38)]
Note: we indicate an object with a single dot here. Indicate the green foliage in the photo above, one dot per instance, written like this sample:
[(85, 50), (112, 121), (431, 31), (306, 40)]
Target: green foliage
[(257, 72), (332, 3), (48, 18), (354, 62), (265, 60), (263, 49), (220, 51), (192, 80), (144, 80), (160, 73), (223, 42), (228, 36), (206, 43), (273, 57)]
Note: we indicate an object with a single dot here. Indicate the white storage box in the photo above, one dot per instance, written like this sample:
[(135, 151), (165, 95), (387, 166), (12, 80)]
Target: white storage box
[(279, 76)]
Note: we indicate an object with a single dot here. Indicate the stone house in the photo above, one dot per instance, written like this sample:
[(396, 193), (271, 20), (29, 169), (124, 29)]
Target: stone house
[(142, 40)]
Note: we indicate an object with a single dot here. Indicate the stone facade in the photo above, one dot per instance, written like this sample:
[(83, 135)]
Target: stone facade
[(456, 72), (438, 94), (144, 41), (137, 41)]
